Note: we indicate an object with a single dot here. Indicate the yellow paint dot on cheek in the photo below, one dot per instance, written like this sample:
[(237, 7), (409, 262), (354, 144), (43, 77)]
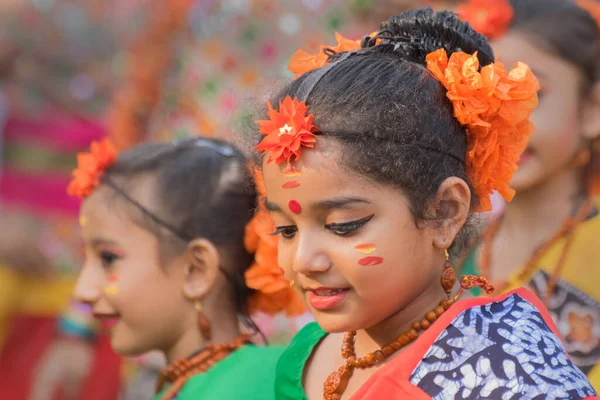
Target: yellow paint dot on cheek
[(82, 221), (111, 289)]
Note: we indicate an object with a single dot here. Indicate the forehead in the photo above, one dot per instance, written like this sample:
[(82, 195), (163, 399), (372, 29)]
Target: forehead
[(322, 177), (107, 214)]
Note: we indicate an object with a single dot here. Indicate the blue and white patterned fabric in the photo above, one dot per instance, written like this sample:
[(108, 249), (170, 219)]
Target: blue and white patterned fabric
[(503, 350)]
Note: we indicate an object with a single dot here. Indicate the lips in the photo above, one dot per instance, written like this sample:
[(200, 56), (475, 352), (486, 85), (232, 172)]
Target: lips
[(108, 321), (324, 298)]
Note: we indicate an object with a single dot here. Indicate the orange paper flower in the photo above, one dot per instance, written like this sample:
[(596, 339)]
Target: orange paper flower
[(287, 131), (494, 106), (491, 18), (302, 61), (91, 167), (273, 292)]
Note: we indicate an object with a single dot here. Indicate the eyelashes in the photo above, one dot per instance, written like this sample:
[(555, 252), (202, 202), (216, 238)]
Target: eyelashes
[(348, 228), (108, 258), (340, 229)]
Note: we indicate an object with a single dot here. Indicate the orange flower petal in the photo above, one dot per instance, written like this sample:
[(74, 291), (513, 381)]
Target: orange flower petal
[(494, 106), (491, 18)]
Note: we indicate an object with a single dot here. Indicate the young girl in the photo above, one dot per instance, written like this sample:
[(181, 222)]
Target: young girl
[(547, 238), (372, 165), (164, 226)]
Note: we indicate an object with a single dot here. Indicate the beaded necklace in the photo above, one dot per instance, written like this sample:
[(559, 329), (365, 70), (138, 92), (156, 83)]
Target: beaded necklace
[(180, 371)]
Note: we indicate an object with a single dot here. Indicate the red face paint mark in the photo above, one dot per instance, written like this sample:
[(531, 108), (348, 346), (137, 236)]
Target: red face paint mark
[(291, 184), (113, 278), (291, 172), (366, 248), (295, 207), (368, 261)]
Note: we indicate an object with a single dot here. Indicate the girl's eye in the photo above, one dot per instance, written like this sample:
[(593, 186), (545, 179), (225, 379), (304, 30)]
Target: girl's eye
[(348, 228), (287, 232), (108, 258)]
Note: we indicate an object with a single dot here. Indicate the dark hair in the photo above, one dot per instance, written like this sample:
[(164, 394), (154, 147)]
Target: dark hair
[(562, 28), (201, 188), (390, 114)]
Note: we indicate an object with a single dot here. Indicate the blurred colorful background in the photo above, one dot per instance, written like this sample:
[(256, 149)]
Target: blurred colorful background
[(73, 71)]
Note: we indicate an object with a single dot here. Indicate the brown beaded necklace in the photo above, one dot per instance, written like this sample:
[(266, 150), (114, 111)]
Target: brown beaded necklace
[(180, 371), (566, 231), (337, 381)]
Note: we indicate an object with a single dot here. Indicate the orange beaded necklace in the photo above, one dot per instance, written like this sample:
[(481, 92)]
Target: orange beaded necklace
[(566, 231), (180, 371), (337, 381)]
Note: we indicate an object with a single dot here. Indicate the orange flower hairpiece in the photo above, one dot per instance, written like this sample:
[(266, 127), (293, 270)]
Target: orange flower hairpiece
[(273, 292), (287, 131), (491, 18), (91, 167), (302, 61), (494, 106)]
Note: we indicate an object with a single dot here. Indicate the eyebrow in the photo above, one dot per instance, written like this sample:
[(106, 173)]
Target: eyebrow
[(342, 202), (98, 241)]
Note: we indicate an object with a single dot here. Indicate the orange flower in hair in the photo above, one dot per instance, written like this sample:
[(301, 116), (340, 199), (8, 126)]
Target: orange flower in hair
[(273, 292), (494, 106), (91, 167), (287, 131), (302, 61), (491, 18)]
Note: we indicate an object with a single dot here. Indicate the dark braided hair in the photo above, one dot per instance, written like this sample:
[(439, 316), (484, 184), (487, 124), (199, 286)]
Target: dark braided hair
[(390, 115), (201, 188)]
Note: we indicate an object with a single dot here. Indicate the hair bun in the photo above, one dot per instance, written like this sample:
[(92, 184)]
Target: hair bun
[(416, 33)]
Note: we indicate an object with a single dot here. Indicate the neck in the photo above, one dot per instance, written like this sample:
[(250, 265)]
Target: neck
[(191, 341), (385, 331), (543, 208)]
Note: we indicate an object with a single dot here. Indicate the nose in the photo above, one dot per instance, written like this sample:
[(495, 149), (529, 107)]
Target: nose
[(89, 282), (310, 256)]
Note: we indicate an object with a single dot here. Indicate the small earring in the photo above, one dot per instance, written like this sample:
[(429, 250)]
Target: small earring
[(448, 279), (292, 282), (203, 322)]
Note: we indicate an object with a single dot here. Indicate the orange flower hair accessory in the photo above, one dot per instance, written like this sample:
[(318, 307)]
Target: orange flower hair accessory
[(287, 131), (302, 61), (494, 106), (91, 167), (273, 292), (491, 18)]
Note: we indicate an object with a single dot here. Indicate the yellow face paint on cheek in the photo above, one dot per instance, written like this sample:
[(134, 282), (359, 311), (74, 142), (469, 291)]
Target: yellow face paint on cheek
[(82, 221), (366, 248), (111, 290)]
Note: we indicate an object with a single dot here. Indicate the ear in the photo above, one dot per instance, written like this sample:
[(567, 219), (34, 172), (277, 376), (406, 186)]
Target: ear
[(591, 114), (201, 269), (450, 210)]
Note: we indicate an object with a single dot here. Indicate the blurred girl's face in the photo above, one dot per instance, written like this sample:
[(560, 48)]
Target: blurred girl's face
[(125, 283), (558, 117)]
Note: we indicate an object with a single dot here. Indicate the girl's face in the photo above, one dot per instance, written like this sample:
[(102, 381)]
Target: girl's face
[(558, 117), (125, 283), (350, 245)]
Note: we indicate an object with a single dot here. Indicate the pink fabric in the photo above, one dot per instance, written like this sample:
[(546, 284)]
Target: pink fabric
[(56, 131), (39, 194)]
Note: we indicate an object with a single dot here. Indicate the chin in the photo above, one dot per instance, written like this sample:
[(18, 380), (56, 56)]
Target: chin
[(127, 346), (525, 179), (332, 322)]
